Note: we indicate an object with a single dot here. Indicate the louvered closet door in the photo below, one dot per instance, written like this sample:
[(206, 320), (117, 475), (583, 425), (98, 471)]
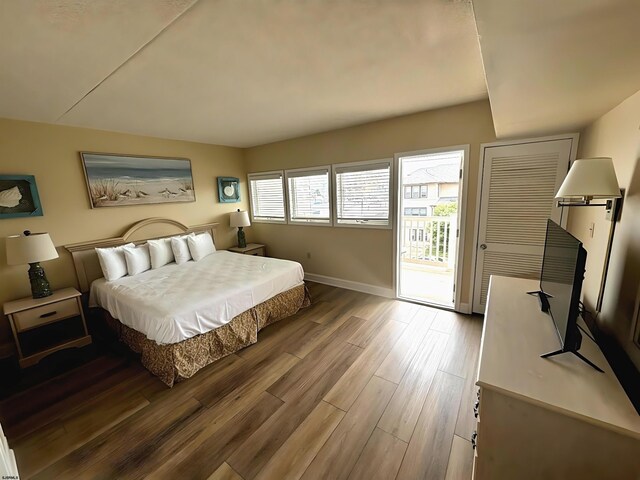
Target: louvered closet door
[(518, 186)]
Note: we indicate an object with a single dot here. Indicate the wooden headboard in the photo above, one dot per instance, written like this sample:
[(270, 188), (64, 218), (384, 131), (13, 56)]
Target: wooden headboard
[(85, 258)]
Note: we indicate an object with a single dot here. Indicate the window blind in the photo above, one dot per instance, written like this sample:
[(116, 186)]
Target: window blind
[(362, 194), (309, 196), (267, 197)]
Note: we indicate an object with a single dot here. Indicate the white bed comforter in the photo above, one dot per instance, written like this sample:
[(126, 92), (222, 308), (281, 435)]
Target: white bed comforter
[(177, 302)]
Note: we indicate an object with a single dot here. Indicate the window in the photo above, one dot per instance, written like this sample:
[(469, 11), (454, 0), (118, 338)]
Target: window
[(423, 212), (423, 191), (407, 211), (308, 194), (266, 194), (407, 192), (415, 191), (363, 193)]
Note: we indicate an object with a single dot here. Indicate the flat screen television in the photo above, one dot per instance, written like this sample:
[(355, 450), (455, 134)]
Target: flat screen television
[(563, 268)]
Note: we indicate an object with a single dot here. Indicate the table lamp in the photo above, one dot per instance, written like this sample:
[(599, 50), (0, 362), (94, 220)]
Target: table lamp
[(240, 219), (32, 248)]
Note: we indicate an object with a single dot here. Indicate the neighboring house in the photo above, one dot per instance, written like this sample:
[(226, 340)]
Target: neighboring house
[(428, 239), (430, 186)]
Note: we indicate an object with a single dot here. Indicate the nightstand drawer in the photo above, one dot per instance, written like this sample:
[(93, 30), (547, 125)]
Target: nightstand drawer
[(259, 252), (45, 314)]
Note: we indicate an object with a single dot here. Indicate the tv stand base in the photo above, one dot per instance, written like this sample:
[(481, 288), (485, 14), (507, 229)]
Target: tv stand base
[(543, 298), (576, 353)]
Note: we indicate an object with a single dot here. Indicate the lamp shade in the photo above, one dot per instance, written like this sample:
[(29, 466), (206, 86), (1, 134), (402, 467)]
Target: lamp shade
[(240, 219), (32, 248), (590, 178)]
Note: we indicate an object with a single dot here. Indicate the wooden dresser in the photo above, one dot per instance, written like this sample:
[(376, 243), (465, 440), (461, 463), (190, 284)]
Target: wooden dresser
[(554, 418)]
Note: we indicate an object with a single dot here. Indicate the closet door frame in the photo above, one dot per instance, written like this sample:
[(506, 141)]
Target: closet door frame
[(574, 137)]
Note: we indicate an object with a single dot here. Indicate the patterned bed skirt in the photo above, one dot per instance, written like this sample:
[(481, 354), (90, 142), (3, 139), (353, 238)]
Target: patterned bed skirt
[(178, 361)]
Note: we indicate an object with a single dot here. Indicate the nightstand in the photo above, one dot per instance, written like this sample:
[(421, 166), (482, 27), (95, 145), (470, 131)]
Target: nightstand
[(42, 326), (251, 249)]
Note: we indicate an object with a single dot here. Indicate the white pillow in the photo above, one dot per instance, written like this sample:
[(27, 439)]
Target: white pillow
[(112, 261), (181, 248), (137, 258), (200, 246), (161, 252)]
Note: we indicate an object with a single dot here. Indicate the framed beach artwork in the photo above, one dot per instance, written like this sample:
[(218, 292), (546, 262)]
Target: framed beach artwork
[(19, 196), (117, 180), (228, 189)]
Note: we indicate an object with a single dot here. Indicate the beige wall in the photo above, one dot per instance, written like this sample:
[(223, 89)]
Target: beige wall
[(50, 153), (448, 190), (358, 254), (615, 135)]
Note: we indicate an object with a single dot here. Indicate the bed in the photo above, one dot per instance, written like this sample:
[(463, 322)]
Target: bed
[(180, 318)]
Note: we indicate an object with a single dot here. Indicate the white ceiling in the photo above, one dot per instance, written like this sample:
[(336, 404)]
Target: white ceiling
[(553, 66), (248, 72), (52, 53), (234, 72)]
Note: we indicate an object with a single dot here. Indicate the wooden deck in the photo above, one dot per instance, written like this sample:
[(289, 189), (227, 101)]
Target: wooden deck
[(354, 387)]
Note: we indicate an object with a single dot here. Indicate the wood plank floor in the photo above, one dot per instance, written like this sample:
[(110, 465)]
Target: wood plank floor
[(354, 387)]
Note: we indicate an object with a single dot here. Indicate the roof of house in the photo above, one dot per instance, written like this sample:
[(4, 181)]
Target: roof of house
[(441, 173)]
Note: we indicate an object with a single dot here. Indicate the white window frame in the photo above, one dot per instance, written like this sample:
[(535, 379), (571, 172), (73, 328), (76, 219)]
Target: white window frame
[(391, 214), (462, 218), (267, 175), (300, 172)]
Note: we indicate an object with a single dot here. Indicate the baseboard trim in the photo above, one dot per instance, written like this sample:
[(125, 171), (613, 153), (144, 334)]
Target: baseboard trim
[(350, 285), (365, 288)]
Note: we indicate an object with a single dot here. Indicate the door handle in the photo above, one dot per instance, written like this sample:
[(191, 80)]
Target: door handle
[(483, 246)]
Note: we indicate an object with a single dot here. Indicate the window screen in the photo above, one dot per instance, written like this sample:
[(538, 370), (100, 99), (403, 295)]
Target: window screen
[(309, 195), (362, 194), (267, 197)]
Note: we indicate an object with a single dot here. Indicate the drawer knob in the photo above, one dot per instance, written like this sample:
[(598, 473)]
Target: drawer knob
[(48, 314)]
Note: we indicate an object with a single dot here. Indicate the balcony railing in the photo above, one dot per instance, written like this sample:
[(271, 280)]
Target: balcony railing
[(429, 240)]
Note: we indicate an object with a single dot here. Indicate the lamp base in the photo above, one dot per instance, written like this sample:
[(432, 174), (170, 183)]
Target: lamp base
[(242, 240), (40, 287)]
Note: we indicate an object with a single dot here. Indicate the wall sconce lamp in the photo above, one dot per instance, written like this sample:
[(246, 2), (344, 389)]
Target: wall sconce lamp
[(588, 179)]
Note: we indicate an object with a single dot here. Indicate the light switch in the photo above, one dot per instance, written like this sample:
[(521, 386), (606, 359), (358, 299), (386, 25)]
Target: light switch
[(592, 227)]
